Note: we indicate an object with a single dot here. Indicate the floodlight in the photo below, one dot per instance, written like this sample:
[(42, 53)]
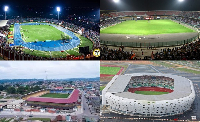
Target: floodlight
[(6, 8), (180, 0), (116, 1), (58, 9)]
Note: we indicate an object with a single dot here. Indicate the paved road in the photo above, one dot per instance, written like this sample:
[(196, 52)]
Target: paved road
[(195, 110)]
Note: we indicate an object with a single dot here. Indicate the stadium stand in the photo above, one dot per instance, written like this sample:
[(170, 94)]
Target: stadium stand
[(9, 52), (184, 51)]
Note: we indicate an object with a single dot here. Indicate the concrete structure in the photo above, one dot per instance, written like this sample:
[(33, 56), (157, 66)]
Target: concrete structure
[(121, 101)]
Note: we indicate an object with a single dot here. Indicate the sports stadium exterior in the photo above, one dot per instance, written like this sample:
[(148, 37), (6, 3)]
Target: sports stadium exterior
[(57, 103), (121, 101)]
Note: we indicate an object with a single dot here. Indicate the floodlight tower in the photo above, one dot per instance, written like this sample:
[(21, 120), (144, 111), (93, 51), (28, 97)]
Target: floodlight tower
[(58, 9), (180, 9), (116, 1), (6, 9)]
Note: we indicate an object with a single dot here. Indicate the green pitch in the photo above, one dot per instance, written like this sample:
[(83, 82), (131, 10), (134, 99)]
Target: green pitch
[(55, 95), (32, 33), (109, 70), (150, 92), (143, 27)]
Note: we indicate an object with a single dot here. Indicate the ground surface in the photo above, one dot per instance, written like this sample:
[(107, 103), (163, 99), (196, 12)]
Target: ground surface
[(55, 95), (143, 27), (40, 33)]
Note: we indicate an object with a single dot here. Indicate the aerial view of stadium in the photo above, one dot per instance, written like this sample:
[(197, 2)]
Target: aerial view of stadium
[(143, 30), (54, 31), (48, 92), (150, 91)]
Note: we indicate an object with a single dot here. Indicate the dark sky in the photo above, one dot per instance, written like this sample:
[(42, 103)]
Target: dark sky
[(148, 5), (43, 8)]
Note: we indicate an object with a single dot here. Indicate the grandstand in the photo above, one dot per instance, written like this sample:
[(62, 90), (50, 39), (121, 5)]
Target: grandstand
[(126, 36), (18, 46)]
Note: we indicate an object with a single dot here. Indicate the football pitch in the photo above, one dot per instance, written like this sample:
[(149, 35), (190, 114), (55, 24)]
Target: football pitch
[(145, 27), (33, 33), (150, 92), (109, 70), (55, 95)]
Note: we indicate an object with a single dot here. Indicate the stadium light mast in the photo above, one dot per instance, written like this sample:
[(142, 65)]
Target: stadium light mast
[(6, 9), (180, 0), (58, 9), (116, 1)]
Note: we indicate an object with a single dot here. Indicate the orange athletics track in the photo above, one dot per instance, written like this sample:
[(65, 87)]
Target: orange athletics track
[(158, 89)]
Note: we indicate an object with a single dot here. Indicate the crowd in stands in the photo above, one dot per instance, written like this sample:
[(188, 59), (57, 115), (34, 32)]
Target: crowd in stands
[(189, 51), (109, 22), (17, 53), (116, 54), (153, 81)]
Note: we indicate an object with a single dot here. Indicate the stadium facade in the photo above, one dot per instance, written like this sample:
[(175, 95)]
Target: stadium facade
[(119, 99)]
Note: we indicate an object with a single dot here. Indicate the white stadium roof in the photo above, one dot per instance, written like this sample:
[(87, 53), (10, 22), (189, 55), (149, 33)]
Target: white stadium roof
[(182, 87)]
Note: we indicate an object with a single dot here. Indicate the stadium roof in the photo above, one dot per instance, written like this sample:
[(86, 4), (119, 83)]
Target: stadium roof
[(182, 87), (3, 23), (73, 98)]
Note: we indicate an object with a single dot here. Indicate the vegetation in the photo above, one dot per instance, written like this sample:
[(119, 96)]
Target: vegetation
[(150, 92), (32, 33), (55, 95), (109, 70), (102, 87), (41, 119), (19, 89), (145, 27)]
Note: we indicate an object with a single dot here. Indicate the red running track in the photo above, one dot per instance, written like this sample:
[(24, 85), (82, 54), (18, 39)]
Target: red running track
[(158, 89)]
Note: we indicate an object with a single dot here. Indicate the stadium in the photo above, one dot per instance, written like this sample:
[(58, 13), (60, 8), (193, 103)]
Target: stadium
[(148, 34), (65, 99), (148, 94), (70, 34)]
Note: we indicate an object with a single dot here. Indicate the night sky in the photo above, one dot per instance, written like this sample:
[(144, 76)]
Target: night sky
[(148, 5), (43, 8)]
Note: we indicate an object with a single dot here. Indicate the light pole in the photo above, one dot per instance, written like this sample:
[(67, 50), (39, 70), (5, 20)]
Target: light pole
[(180, 10), (6, 9), (58, 9)]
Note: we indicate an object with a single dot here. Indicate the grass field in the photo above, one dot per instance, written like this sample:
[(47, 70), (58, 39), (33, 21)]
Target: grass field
[(143, 27), (40, 33), (102, 87), (55, 95), (41, 119), (109, 70), (58, 54), (150, 92)]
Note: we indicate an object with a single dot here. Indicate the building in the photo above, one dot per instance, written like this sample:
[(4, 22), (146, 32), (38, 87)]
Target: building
[(119, 99)]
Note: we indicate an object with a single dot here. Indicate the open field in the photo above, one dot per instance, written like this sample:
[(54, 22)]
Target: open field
[(109, 70), (143, 27), (150, 92), (40, 33), (55, 95)]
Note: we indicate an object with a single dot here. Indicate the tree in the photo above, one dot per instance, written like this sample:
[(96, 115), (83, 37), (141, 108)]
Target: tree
[(11, 90)]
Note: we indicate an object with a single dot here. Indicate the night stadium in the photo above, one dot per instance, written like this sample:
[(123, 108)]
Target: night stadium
[(56, 31), (144, 30)]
